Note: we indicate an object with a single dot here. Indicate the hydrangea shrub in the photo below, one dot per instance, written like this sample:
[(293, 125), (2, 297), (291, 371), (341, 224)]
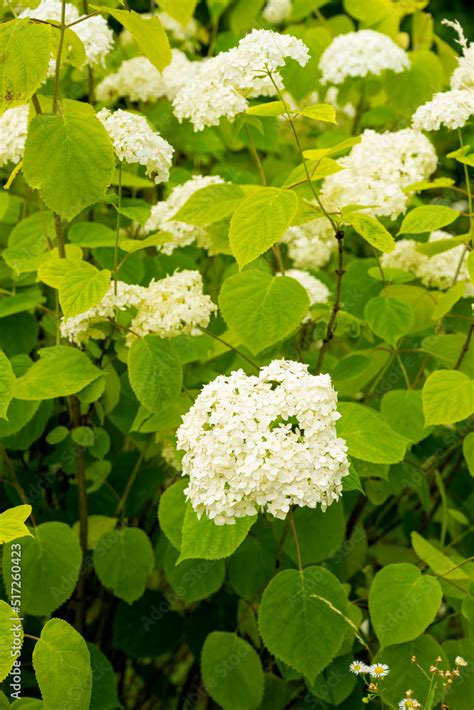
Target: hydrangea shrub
[(236, 356)]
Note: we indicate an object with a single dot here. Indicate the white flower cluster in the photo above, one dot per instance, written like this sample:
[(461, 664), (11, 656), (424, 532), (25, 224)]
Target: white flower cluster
[(94, 33), (376, 670), (310, 245), (277, 11), (378, 169), (437, 271), (162, 214), (409, 703), (13, 130), (169, 307), (357, 54), (77, 328), (452, 109), (463, 75), (138, 80), (317, 291), (172, 306), (263, 442), (221, 86), (135, 141)]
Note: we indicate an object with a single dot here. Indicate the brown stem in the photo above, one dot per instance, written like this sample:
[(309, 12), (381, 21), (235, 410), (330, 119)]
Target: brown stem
[(59, 236), (135, 471), (83, 521), (15, 482), (337, 301), (465, 348)]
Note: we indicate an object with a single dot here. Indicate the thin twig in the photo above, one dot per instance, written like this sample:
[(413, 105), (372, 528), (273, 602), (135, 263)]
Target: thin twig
[(337, 302), (231, 347)]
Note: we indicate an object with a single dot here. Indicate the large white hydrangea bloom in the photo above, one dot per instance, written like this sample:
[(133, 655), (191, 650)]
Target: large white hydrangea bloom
[(358, 54), (378, 169), (13, 130), (95, 34), (137, 79), (162, 214), (310, 245), (169, 307), (263, 442), (221, 86), (135, 141), (277, 11), (438, 271), (173, 306), (452, 109)]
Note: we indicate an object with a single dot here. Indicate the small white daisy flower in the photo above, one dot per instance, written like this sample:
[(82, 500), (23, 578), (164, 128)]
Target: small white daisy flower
[(407, 703), (460, 661), (379, 670), (357, 667)]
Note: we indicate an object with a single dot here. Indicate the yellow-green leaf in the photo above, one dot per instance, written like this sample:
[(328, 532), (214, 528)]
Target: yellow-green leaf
[(12, 523)]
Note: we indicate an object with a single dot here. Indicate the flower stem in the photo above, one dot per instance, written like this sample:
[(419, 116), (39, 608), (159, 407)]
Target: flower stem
[(62, 31), (337, 302), (117, 228)]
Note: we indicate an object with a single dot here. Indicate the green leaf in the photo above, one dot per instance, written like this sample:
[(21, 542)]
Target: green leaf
[(448, 397), (28, 242), (403, 412), (468, 451), (427, 218), (155, 371), (389, 318), (320, 534), (60, 371), (7, 380), (367, 436), (62, 666), (448, 299), (147, 33), (260, 221), (11, 638), (193, 580), (53, 271), (262, 309), (26, 300), (439, 562), (91, 235), (25, 51), (372, 231), (402, 603), (270, 108), (82, 288), (203, 539), (231, 672), (51, 560), (171, 512), (70, 159), (319, 112), (210, 204), (301, 619), (123, 559), (181, 11), (12, 523)]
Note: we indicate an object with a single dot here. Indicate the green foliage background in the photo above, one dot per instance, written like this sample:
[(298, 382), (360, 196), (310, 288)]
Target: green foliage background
[(127, 598)]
